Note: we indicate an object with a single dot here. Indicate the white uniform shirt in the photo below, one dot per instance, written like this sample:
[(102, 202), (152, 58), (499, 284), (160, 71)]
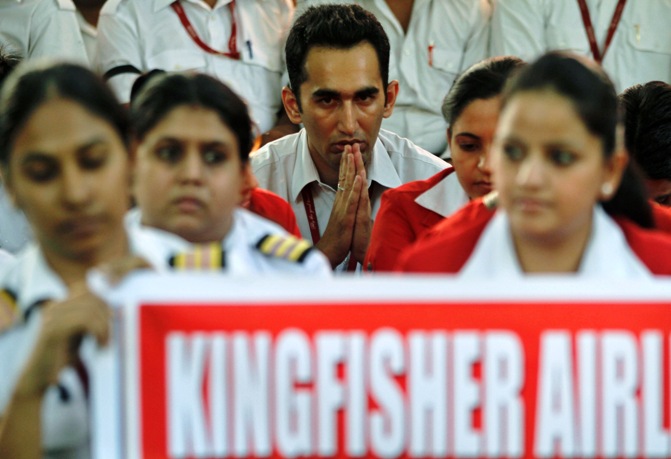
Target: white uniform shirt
[(243, 257), (285, 167), (148, 35), (607, 255), (89, 35), (458, 30), (39, 28), (15, 231), (640, 50), (65, 426)]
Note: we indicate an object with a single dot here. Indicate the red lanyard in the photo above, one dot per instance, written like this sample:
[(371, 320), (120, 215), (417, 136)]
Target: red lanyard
[(311, 213), (232, 40), (589, 28)]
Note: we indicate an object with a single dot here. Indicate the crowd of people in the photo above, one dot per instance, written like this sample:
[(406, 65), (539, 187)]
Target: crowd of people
[(465, 137)]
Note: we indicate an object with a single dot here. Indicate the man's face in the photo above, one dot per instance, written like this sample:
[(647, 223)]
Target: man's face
[(342, 103)]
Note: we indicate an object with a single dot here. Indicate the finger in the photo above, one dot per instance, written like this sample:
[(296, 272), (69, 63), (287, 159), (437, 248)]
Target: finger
[(355, 192), (358, 158), (342, 171), (364, 201), (350, 172)]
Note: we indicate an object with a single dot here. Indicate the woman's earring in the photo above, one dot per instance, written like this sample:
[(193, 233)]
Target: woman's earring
[(606, 190)]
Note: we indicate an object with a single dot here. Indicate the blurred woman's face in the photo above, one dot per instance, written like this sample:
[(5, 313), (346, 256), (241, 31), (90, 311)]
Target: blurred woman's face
[(470, 137), (188, 176), (548, 168), (69, 173)]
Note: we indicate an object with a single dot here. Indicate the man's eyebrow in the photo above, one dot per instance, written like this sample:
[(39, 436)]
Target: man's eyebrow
[(367, 92), (326, 93)]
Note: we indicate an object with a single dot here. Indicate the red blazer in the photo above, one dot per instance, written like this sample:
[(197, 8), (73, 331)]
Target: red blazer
[(400, 221), (269, 205), (662, 216), (450, 243)]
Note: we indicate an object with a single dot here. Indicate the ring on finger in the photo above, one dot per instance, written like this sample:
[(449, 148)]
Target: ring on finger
[(340, 187)]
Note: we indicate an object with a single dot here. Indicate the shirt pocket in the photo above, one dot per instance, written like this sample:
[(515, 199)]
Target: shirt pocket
[(647, 33), (176, 61), (444, 68)]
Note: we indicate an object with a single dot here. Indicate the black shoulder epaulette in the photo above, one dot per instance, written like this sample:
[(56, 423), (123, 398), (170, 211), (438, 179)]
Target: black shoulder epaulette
[(285, 247), (202, 257)]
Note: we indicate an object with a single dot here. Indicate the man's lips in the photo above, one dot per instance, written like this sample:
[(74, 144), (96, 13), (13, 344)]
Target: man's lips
[(339, 147), (188, 204)]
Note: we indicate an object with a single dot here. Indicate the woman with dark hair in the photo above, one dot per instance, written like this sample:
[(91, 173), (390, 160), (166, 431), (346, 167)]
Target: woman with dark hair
[(65, 163), (565, 202), (647, 135), (471, 110), (192, 138)]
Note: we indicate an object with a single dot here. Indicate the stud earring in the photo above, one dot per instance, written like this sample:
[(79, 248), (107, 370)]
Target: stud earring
[(606, 190)]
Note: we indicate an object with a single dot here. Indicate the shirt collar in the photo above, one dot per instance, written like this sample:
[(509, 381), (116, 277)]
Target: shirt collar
[(160, 4), (381, 169), (49, 287), (305, 171), (445, 197)]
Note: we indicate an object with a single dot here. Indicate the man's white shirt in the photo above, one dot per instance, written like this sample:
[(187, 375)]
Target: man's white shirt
[(285, 167)]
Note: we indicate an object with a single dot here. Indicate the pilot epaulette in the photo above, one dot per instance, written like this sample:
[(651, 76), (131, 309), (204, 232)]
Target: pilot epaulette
[(9, 309), (201, 257), (286, 247)]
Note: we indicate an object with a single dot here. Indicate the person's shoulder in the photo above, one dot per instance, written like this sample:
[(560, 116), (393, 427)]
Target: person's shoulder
[(155, 245), (283, 147), (653, 247), (274, 208), (288, 254), (113, 7), (662, 216), (406, 194), (447, 246), (469, 217), (394, 144), (416, 187), (282, 252), (63, 5)]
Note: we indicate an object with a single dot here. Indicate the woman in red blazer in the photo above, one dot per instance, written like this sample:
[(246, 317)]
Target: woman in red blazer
[(568, 203), (471, 109)]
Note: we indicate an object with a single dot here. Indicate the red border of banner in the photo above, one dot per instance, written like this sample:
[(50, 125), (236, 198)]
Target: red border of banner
[(526, 319)]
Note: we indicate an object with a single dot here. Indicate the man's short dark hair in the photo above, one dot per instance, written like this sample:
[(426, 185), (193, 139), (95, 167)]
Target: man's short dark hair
[(647, 127), (340, 26), (8, 62)]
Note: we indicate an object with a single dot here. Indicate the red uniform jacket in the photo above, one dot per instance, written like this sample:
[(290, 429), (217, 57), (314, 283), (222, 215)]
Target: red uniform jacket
[(274, 208), (450, 243), (400, 221)]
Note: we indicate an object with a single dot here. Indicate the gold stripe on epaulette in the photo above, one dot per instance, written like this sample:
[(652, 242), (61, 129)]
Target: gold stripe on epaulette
[(267, 244), (298, 252), (204, 257), (285, 247)]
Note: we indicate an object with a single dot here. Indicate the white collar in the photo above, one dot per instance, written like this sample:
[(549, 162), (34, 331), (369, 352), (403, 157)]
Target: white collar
[(607, 254), (34, 266), (445, 197), (380, 170)]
